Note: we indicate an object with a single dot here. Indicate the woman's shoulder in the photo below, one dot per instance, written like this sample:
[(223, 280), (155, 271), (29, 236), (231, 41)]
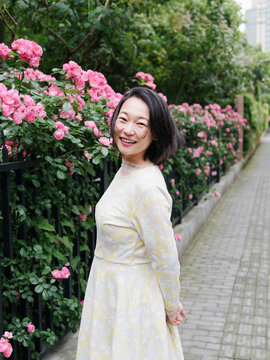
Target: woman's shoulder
[(149, 181)]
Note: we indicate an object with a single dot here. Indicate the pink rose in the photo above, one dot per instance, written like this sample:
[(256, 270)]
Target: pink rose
[(163, 97), (82, 216), (87, 155), (201, 134), (65, 272), (214, 142), (190, 196), (217, 194), (105, 141), (56, 274), (90, 124), (30, 328), (178, 237), (5, 347), (28, 100), (198, 171), (177, 193), (96, 131), (59, 134), (59, 125), (4, 51), (8, 335)]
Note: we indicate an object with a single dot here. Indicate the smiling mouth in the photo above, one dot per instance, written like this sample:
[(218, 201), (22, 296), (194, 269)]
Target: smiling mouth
[(127, 141)]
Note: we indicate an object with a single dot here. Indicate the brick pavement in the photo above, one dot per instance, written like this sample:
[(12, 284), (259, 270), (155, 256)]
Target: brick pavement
[(225, 275)]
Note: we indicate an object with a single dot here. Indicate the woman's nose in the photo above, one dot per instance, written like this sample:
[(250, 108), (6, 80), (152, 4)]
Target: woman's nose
[(129, 129)]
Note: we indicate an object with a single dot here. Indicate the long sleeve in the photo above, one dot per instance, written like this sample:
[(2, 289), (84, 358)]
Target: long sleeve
[(152, 213)]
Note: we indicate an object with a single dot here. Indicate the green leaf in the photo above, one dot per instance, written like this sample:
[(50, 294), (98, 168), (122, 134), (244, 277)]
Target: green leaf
[(74, 262), (61, 175), (66, 106), (23, 253), (36, 183), (104, 151), (59, 256), (46, 270), (66, 242), (44, 225), (38, 289), (37, 248), (75, 210), (84, 247), (33, 280), (69, 223), (49, 159), (96, 160)]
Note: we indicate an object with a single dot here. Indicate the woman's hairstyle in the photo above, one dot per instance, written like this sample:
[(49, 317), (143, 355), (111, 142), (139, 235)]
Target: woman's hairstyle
[(163, 128)]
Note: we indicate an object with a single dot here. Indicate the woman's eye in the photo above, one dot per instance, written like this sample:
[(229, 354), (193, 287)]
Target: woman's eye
[(122, 119), (143, 124)]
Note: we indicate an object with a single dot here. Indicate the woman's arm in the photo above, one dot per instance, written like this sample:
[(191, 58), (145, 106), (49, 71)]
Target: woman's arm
[(152, 214)]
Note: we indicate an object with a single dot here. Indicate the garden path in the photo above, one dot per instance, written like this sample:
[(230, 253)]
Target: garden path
[(225, 275)]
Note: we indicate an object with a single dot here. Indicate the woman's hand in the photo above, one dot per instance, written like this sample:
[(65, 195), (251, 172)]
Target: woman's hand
[(176, 316)]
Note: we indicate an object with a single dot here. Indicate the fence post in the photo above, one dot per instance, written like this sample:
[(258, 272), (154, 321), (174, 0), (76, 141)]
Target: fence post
[(240, 110), (1, 307), (6, 198)]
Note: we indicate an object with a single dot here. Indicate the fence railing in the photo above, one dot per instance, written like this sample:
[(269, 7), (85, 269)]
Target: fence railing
[(12, 180)]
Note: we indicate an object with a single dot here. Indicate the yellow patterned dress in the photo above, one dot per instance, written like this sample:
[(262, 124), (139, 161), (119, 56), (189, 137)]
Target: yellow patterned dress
[(135, 273)]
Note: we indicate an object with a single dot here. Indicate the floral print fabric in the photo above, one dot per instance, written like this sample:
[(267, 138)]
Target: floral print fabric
[(134, 276)]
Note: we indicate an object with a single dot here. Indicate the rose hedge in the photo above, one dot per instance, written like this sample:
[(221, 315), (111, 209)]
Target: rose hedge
[(62, 120)]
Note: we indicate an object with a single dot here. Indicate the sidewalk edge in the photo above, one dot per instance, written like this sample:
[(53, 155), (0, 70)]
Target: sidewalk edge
[(196, 218)]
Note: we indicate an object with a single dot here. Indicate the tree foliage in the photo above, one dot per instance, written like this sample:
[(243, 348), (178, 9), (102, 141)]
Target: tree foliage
[(194, 49)]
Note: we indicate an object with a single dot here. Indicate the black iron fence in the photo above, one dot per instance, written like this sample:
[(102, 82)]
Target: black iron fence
[(17, 187)]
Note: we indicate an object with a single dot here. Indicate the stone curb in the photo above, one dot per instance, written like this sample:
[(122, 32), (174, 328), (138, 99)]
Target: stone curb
[(195, 219)]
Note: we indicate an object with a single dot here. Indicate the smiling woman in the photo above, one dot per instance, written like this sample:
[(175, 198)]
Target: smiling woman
[(131, 306), (132, 134)]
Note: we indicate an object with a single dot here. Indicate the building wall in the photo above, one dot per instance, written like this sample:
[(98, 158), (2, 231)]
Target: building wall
[(258, 24)]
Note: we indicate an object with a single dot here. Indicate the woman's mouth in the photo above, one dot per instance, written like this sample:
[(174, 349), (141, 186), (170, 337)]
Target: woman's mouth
[(127, 142)]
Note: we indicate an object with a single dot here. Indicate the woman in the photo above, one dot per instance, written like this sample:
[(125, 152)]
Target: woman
[(132, 303)]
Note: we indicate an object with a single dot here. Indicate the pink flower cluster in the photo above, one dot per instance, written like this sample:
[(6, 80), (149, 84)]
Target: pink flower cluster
[(148, 78), (5, 346), (75, 73), (13, 107), (4, 51), (28, 50), (61, 131), (61, 274), (70, 166)]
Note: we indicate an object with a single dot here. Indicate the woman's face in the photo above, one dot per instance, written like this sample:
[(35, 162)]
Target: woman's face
[(132, 134)]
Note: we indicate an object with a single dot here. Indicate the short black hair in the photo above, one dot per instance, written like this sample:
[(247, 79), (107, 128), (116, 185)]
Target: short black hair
[(163, 128)]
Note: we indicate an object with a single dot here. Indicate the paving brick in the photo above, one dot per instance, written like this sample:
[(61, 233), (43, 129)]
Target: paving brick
[(230, 264)]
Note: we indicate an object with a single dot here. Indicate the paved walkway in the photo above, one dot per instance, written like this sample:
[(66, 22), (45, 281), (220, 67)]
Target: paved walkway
[(225, 275)]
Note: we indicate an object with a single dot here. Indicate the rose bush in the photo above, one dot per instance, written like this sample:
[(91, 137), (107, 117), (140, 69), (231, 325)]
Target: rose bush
[(61, 120)]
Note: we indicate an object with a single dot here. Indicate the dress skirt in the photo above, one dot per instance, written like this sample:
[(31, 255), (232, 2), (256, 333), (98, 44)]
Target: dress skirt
[(123, 316)]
